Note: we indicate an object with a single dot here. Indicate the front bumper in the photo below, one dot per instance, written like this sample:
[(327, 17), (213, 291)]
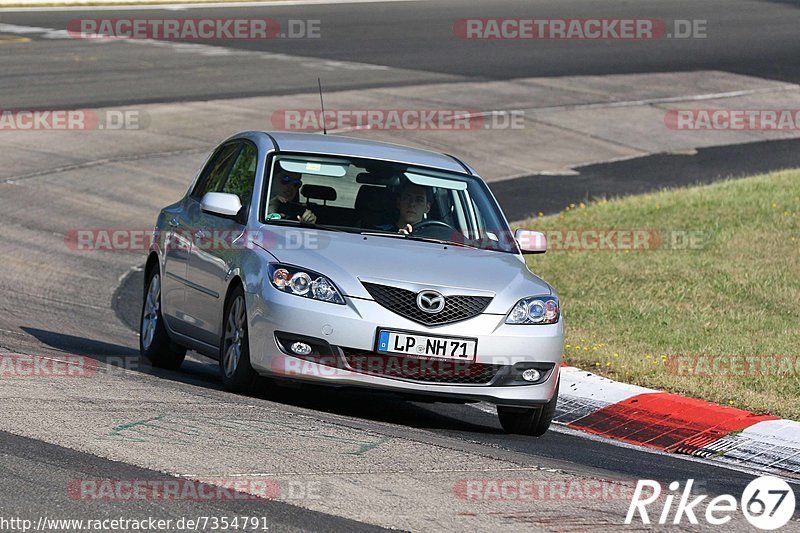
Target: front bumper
[(353, 327)]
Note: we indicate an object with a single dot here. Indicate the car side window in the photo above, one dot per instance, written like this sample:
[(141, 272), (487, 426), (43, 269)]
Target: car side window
[(242, 177), (213, 177)]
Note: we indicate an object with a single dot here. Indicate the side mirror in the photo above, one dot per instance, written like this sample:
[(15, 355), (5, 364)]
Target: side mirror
[(531, 242), (220, 203)]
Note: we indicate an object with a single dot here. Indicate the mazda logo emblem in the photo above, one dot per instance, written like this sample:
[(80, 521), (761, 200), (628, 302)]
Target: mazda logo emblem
[(430, 302)]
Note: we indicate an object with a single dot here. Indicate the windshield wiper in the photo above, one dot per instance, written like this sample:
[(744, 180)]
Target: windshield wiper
[(288, 222), (412, 237), (384, 234), (441, 241)]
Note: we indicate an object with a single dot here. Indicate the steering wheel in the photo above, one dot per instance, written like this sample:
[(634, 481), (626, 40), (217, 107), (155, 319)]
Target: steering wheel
[(425, 224), (436, 229)]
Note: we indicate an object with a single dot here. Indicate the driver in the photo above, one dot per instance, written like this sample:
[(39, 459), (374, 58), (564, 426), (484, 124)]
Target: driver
[(413, 203), (285, 186)]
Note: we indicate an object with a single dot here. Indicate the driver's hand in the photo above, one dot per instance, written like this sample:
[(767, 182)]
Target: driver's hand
[(308, 216), (407, 230)]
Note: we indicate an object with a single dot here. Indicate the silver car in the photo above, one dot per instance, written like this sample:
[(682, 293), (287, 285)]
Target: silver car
[(354, 263)]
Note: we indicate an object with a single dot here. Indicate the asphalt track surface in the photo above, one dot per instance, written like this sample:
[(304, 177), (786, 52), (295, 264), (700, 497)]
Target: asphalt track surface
[(751, 37), (30, 468)]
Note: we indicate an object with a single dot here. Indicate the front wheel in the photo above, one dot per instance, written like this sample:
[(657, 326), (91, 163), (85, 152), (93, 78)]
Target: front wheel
[(533, 421), (154, 341), (234, 351)]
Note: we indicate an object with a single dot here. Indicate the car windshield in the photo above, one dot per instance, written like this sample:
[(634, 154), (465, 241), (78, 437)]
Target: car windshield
[(384, 198)]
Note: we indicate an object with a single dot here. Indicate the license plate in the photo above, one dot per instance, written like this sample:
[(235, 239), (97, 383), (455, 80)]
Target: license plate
[(425, 346)]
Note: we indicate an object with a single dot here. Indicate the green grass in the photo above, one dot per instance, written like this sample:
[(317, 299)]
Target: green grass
[(736, 294)]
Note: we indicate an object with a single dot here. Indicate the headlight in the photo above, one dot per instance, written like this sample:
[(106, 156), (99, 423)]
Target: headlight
[(534, 310), (305, 283)]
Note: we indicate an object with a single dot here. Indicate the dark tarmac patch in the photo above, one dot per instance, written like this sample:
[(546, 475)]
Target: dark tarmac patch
[(524, 197)]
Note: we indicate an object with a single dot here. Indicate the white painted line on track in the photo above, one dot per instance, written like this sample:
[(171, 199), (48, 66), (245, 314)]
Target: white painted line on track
[(186, 6), (201, 49), (365, 472)]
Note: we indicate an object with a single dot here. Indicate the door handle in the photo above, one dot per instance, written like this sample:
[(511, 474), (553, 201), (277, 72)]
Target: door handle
[(173, 222), (200, 234)]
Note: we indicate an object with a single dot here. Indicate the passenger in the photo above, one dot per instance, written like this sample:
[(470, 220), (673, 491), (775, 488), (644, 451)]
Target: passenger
[(285, 187)]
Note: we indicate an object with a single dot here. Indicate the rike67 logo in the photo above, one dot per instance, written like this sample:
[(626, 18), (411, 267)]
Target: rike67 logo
[(768, 503)]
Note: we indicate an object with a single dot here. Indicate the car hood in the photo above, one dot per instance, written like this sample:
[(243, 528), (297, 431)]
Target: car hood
[(349, 259)]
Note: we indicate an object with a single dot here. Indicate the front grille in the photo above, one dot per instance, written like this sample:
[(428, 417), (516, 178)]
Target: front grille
[(404, 303), (421, 370)]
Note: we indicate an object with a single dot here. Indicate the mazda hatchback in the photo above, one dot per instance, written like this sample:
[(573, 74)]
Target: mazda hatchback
[(347, 262)]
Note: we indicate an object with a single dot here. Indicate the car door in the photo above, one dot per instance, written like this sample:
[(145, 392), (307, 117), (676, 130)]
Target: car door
[(214, 247), (210, 181), (177, 245), (176, 260)]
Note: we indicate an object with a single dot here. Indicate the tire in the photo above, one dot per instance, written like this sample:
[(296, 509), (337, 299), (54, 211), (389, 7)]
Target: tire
[(234, 350), (526, 420), (154, 341)]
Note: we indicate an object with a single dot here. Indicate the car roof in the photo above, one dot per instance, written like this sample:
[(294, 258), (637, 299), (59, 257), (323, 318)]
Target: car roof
[(350, 146)]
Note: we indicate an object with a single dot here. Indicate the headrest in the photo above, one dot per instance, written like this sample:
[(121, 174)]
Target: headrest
[(319, 192), (373, 198)]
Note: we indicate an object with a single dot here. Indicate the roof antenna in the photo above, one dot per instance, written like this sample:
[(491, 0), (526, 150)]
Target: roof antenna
[(322, 105)]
